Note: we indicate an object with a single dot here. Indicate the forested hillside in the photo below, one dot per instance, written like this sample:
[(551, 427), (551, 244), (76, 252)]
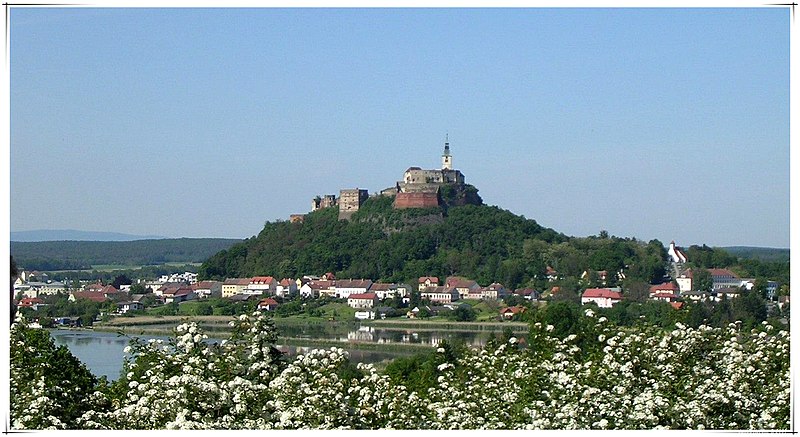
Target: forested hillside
[(481, 242), (478, 241), (74, 255)]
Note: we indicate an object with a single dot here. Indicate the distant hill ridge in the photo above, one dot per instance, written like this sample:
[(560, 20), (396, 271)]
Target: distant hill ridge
[(76, 235), (759, 253), (79, 255)]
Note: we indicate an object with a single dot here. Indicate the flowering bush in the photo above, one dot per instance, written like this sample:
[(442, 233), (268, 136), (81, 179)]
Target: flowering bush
[(642, 377)]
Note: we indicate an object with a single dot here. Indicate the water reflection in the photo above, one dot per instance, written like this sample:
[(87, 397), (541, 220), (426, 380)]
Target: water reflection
[(103, 354)]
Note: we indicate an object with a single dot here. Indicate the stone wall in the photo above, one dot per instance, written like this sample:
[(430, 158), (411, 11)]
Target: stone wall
[(416, 200)]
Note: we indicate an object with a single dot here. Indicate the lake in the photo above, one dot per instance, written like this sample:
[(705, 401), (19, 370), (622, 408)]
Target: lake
[(103, 354)]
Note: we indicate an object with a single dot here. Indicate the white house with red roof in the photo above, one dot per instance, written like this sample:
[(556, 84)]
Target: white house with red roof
[(462, 285), (205, 289), (440, 294), (261, 285), (724, 278), (428, 281), (286, 287), (387, 291), (665, 287), (346, 287), (318, 289), (268, 304), (603, 297), (362, 300)]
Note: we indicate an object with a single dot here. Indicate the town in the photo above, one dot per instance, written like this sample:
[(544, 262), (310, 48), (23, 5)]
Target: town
[(370, 299), (453, 296)]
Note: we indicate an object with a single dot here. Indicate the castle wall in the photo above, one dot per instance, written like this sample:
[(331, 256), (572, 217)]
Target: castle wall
[(351, 200), (416, 200)]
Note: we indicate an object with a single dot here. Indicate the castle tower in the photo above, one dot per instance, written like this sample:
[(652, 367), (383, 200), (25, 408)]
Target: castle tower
[(447, 160)]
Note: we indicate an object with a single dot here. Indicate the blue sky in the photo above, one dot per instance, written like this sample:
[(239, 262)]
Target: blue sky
[(648, 123)]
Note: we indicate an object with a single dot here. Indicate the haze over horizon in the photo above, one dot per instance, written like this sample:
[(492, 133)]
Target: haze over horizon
[(669, 124)]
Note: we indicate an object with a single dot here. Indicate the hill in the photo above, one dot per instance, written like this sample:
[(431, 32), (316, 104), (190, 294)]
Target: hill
[(73, 255), (74, 235), (482, 242), (759, 253)]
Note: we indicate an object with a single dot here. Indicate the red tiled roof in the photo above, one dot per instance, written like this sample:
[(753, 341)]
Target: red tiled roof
[(237, 281), (381, 286), (321, 285), (513, 310), (262, 280), (433, 279), (95, 296), (28, 301), (362, 296), (285, 282), (722, 272), (667, 295), (666, 286), (601, 292), (676, 305), (354, 283), (268, 301)]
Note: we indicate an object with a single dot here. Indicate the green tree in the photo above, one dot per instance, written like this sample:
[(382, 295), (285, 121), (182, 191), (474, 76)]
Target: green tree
[(701, 280), (41, 371)]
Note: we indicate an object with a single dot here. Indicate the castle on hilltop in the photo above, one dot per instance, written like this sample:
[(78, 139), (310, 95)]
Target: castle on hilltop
[(418, 189), (421, 188)]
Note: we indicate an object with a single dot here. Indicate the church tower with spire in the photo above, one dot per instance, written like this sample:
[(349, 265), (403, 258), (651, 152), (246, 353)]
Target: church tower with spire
[(447, 159)]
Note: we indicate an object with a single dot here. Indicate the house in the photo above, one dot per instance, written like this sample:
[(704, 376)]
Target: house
[(30, 302), (286, 287), (95, 296), (427, 281), (329, 276), (261, 285), (362, 300), (666, 287), (234, 286), (462, 285), (724, 278), (527, 293), (206, 289), (346, 287), (168, 288), (125, 307), (318, 288), (51, 288), (726, 293), (153, 285), (684, 281), (676, 305), (664, 296), (603, 297), (440, 294), (384, 290), (180, 294), (509, 312), (494, 291), (268, 304)]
